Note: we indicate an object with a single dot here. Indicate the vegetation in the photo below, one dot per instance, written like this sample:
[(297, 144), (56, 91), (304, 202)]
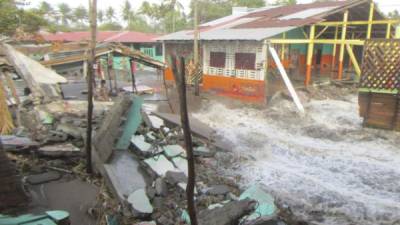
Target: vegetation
[(164, 16)]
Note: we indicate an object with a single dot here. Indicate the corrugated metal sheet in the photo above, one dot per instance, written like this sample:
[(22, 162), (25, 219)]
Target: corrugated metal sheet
[(263, 23), (229, 34), (244, 34), (104, 36), (308, 13)]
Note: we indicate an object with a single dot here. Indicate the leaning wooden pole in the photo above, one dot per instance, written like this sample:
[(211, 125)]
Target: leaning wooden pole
[(90, 71), (196, 49), (181, 86)]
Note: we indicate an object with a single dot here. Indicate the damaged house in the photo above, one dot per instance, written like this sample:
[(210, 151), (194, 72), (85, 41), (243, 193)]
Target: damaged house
[(315, 42)]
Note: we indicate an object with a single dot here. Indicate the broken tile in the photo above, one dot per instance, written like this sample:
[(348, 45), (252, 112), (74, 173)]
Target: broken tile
[(174, 150), (181, 164), (140, 144), (156, 122), (140, 202), (160, 165)]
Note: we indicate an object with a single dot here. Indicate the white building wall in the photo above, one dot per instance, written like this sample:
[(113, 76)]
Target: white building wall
[(231, 48)]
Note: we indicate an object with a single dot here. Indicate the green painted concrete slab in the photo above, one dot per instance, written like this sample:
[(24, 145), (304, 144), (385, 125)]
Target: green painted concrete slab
[(266, 206), (134, 118)]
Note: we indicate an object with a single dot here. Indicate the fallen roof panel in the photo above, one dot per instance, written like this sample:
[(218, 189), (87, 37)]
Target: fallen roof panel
[(103, 49)]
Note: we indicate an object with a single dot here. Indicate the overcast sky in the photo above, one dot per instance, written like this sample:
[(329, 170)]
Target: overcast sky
[(384, 5)]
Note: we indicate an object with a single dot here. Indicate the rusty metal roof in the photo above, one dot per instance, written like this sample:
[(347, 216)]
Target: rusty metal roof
[(264, 23)]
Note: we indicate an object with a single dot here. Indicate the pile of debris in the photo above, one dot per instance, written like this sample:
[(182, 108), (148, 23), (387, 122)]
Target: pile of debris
[(142, 161)]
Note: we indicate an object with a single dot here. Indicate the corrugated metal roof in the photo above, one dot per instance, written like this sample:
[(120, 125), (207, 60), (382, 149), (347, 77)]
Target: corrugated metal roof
[(265, 22), (244, 34), (103, 36), (308, 13), (228, 34)]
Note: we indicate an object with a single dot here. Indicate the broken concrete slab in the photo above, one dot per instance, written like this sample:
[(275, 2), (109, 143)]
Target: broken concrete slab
[(155, 122), (203, 151), (57, 150), (181, 164), (198, 128), (49, 218), (140, 144), (219, 189), (229, 214), (43, 178), (76, 198), (172, 151), (146, 223), (183, 185), (265, 221), (160, 165), (56, 136), (134, 118), (161, 187), (17, 144), (71, 130), (265, 207), (174, 177), (109, 132), (140, 203), (124, 175)]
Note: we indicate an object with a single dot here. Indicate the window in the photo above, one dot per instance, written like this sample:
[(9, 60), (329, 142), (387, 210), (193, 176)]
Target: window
[(245, 61), (217, 59)]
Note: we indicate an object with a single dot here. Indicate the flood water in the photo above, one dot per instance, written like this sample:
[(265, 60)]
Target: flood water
[(325, 166)]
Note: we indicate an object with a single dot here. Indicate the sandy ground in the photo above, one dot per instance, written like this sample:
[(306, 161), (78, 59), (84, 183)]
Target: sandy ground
[(324, 166)]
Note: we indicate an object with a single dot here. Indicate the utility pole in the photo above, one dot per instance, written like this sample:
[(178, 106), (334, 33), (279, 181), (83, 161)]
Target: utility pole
[(90, 71), (196, 49), (181, 86)]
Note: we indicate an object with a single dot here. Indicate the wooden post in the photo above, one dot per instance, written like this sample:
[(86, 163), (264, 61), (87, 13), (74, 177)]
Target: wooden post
[(388, 31), (341, 56), (181, 86), (109, 73), (134, 90), (265, 51), (196, 49), (310, 56), (370, 19), (351, 46), (90, 71), (335, 49), (283, 47)]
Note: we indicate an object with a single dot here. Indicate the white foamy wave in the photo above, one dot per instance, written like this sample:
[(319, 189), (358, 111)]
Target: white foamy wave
[(325, 166)]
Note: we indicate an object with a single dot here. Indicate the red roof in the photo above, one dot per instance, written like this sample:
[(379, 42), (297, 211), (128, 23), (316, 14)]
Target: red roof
[(104, 36)]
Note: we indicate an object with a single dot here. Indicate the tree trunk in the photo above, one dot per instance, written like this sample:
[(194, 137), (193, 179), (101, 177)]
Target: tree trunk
[(90, 71), (181, 86)]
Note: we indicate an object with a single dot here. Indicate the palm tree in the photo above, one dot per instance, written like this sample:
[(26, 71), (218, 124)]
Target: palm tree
[(174, 7), (45, 8), (100, 16), (65, 12), (127, 12), (110, 14), (286, 2), (80, 14)]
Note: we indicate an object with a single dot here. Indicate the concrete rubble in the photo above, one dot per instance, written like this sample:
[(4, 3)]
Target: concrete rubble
[(149, 176), (139, 155)]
